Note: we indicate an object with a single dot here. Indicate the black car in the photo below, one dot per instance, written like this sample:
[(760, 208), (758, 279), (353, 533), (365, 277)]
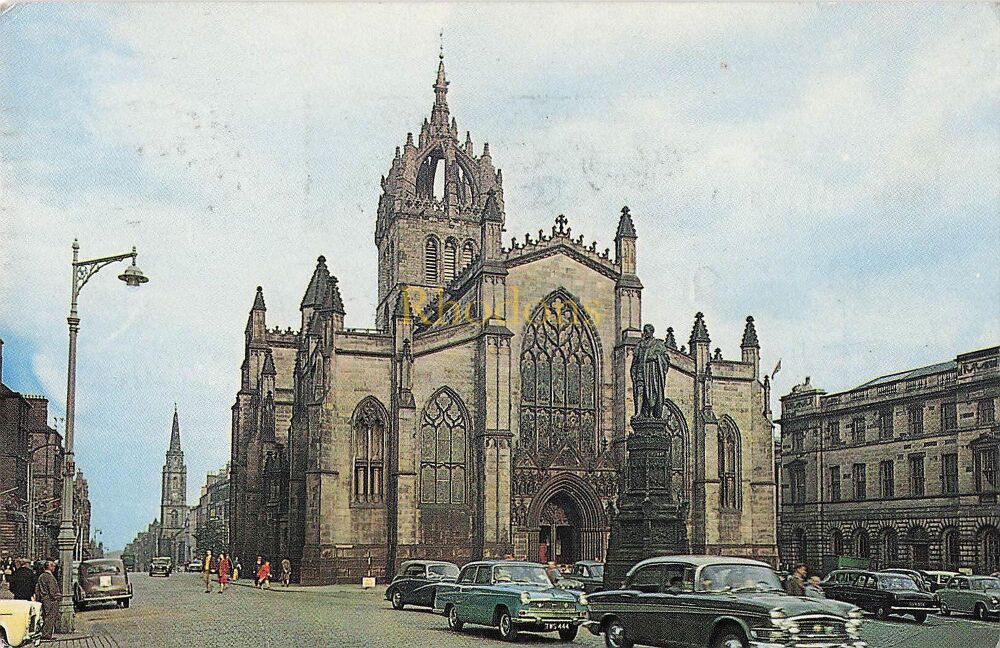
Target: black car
[(919, 577), (587, 576), (882, 593), (417, 580), (717, 602)]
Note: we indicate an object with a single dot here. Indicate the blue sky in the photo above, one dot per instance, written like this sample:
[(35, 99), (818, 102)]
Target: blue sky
[(831, 169)]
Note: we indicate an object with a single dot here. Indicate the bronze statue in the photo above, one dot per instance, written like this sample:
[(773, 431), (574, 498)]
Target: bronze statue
[(649, 374)]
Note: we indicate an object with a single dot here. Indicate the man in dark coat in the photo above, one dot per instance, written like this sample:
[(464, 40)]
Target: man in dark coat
[(796, 583), (22, 581), (47, 593)]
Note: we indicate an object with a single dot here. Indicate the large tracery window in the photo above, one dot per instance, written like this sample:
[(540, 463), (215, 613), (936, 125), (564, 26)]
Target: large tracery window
[(729, 465), (369, 425), (443, 433), (431, 260), (558, 379)]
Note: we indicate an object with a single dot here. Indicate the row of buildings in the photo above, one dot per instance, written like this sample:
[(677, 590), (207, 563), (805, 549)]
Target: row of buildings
[(902, 471), (31, 481), (184, 531)]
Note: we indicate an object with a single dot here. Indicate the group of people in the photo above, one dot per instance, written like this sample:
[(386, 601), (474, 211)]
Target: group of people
[(798, 585), (19, 581), (230, 568)]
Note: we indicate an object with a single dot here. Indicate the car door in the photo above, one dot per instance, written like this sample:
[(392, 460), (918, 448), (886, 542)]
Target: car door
[(659, 615), (462, 591), (416, 577), (479, 597), (966, 600), (949, 594), (637, 607)]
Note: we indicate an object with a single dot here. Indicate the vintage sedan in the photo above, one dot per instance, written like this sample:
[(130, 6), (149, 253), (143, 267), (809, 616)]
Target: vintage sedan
[(717, 601), (20, 623), (513, 596), (587, 576), (975, 595), (417, 581), (919, 577), (938, 579), (885, 594), (102, 580), (161, 565)]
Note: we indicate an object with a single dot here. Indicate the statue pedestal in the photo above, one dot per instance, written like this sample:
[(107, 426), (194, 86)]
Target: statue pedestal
[(651, 519)]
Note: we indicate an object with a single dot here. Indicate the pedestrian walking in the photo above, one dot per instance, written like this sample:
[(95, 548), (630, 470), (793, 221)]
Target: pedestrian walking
[(256, 570), (553, 572), (237, 568), (206, 571), (286, 572), (22, 581), (264, 575), (796, 583), (814, 589), (47, 593), (5, 593), (224, 567)]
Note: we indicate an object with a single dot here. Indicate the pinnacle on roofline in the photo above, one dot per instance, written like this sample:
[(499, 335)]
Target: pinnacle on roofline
[(175, 433), (699, 332), (626, 228), (750, 335), (258, 300)]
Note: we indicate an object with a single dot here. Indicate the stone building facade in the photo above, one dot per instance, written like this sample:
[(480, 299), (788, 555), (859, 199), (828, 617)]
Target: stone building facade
[(46, 478), (210, 517), (901, 471), (15, 447), (486, 412)]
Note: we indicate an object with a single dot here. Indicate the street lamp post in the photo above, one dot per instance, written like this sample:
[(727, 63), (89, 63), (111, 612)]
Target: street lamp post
[(82, 272)]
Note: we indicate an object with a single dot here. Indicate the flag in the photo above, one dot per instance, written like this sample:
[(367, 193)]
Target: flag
[(777, 368)]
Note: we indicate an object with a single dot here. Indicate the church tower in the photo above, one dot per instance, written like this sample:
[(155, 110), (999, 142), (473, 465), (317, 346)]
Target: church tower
[(173, 498), (431, 211)]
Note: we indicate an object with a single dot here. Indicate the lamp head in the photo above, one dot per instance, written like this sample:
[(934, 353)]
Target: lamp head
[(133, 276)]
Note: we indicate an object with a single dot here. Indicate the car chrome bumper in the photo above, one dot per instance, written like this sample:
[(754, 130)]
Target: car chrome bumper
[(795, 643), (106, 597), (534, 620), (908, 610)]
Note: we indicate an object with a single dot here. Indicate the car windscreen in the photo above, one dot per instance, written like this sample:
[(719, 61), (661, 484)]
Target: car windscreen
[(597, 571), (985, 583), (443, 570), (521, 574), (102, 569), (897, 582), (732, 578)]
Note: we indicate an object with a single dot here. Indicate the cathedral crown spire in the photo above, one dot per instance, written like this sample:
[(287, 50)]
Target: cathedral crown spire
[(439, 115), (175, 433)]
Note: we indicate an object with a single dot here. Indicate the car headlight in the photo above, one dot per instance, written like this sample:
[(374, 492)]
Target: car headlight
[(856, 614), (582, 599), (995, 601), (777, 613), (525, 597)]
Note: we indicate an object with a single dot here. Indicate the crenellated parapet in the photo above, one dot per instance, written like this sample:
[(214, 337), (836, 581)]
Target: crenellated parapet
[(560, 239)]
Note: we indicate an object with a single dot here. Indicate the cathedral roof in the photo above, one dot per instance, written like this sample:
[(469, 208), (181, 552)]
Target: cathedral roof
[(750, 335), (314, 292)]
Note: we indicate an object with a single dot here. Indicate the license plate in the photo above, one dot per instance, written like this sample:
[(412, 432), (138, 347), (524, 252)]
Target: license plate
[(105, 582), (557, 626)]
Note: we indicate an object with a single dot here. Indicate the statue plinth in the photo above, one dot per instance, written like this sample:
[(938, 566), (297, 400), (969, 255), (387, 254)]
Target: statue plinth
[(651, 519)]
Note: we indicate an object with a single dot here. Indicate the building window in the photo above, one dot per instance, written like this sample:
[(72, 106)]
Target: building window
[(949, 417), (985, 412), (369, 426), (858, 430), (861, 544), (833, 428), (915, 420), (837, 542), (797, 483), (834, 483), (468, 254), (729, 465), (431, 260), (801, 544), (949, 474), (798, 440), (885, 424), (886, 479), (986, 461), (860, 481), (951, 554), (450, 260), (443, 434), (919, 548), (917, 476), (890, 547), (989, 550)]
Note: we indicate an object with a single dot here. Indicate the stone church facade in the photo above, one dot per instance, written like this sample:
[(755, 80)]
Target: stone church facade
[(173, 500), (486, 412)]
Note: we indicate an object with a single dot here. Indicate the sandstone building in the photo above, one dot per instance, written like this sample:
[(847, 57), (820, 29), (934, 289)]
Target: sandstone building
[(486, 411), (902, 470), (173, 500)]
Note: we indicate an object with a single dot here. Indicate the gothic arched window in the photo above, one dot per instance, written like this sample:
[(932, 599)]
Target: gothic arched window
[(988, 550), (431, 260), (861, 545), (369, 428), (890, 547), (443, 432), (558, 379), (729, 464), (468, 254), (950, 549), (837, 542), (450, 260)]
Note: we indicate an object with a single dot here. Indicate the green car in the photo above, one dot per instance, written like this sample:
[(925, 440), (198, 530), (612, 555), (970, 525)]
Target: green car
[(513, 597), (975, 595)]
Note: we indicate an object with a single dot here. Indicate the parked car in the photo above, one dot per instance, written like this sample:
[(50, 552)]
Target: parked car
[(586, 576), (102, 580), (918, 576), (938, 579), (417, 581), (20, 623), (193, 566), (975, 595), (717, 601), (883, 593), (161, 566), (513, 596)]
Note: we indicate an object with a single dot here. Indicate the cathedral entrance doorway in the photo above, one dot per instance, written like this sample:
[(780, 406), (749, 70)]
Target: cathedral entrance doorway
[(566, 521), (558, 534)]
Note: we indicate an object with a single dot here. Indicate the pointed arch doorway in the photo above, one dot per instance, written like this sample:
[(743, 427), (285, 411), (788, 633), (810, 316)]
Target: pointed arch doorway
[(566, 521)]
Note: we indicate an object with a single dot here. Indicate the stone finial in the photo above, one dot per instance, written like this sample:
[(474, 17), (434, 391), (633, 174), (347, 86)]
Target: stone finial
[(268, 369), (314, 292), (750, 335), (626, 228), (491, 210), (332, 301), (699, 332), (718, 354), (258, 300), (561, 222), (670, 341)]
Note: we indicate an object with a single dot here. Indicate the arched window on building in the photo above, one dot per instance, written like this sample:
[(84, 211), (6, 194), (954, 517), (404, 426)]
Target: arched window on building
[(369, 425), (444, 430), (431, 260), (837, 542), (729, 464), (468, 254), (920, 553), (951, 552), (450, 260), (801, 545), (988, 550), (862, 549), (890, 547)]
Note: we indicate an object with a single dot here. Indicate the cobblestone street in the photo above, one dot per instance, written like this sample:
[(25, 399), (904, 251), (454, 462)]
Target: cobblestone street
[(176, 612)]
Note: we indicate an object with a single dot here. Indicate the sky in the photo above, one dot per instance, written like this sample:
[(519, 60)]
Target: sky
[(831, 169)]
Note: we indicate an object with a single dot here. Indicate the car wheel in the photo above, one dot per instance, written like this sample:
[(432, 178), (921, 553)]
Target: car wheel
[(454, 622), (3, 640), (730, 638), (944, 610), (615, 636), (397, 600), (569, 634), (505, 624), (126, 602), (980, 612), (920, 617), (882, 613)]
